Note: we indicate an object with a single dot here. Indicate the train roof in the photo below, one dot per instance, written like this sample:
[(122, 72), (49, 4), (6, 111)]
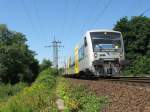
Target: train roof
[(102, 30), (95, 30)]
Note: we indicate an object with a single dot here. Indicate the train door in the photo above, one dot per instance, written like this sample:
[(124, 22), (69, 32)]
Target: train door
[(86, 56)]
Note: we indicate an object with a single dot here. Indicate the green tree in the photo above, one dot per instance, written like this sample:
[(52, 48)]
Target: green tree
[(136, 35), (45, 64), (17, 62)]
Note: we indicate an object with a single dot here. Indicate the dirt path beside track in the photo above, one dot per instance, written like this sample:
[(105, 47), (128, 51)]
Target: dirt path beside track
[(122, 98)]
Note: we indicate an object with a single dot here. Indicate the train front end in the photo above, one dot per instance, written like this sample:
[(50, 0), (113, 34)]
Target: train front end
[(108, 52)]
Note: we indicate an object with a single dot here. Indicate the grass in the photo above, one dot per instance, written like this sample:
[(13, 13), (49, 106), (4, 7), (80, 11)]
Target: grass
[(40, 97), (8, 90), (78, 98), (42, 94)]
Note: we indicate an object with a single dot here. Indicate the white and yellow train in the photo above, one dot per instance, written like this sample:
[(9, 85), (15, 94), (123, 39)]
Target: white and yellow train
[(100, 53)]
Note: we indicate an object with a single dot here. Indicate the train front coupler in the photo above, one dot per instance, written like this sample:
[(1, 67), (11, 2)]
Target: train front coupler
[(106, 68)]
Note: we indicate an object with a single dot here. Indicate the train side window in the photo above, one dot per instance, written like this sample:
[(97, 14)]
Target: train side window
[(85, 42)]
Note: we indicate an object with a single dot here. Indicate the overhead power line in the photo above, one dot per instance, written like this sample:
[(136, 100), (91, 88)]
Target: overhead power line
[(98, 2), (37, 16), (102, 12), (75, 16), (28, 15), (65, 16), (144, 12)]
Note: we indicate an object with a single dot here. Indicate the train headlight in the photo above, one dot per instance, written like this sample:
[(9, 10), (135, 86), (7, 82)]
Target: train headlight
[(121, 55), (95, 55)]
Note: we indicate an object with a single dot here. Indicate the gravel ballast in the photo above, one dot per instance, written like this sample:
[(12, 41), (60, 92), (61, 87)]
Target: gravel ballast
[(121, 97)]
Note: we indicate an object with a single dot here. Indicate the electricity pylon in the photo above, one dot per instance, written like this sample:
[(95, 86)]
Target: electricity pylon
[(55, 45)]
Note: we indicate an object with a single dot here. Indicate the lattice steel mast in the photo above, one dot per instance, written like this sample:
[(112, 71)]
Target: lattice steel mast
[(56, 45)]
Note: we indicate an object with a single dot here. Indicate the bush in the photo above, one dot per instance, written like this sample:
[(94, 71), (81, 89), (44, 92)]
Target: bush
[(6, 91), (39, 97), (140, 68), (45, 64)]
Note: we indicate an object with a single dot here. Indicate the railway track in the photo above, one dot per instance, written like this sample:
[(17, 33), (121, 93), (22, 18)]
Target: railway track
[(132, 81)]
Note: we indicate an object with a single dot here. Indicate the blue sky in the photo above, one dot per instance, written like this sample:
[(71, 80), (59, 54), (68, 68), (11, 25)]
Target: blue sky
[(40, 20)]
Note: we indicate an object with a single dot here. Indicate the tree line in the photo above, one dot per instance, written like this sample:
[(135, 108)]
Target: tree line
[(17, 61), (136, 35)]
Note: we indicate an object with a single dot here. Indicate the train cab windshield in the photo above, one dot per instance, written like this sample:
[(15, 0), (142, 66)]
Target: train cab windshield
[(106, 41)]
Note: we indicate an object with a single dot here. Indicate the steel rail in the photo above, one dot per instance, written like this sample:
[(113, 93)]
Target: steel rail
[(132, 81)]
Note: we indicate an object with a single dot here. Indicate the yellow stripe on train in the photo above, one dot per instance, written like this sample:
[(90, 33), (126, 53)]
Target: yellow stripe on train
[(76, 61)]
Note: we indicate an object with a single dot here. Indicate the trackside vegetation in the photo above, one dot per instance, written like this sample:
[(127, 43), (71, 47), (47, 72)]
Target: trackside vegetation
[(8, 90), (136, 35), (40, 97), (17, 61), (77, 98)]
